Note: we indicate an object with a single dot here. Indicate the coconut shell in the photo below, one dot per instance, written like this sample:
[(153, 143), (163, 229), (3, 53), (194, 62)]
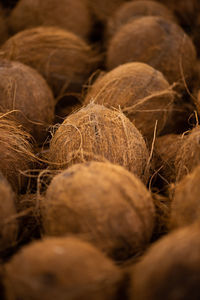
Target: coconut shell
[(16, 153), (61, 268), (62, 58), (165, 151), (8, 221), (67, 14), (170, 270), (129, 11), (188, 156), (185, 208), (98, 133), (116, 213), (141, 92), (157, 42), (35, 110)]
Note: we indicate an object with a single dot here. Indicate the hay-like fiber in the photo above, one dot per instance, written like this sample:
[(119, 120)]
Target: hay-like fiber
[(132, 10), (142, 93), (64, 59), (103, 202), (170, 269), (16, 155), (8, 222), (98, 133), (24, 90), (157, 42), (67, 14), (61, 268), (165, 152), (188, 156), (186, 201)]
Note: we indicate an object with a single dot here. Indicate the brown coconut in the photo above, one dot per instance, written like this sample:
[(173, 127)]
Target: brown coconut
[(98, 133), (8, 220), (23, 90), (3, 26), (185, 208), (170, 270), (67, 14), (61, 268), (103, 202), (188, 156), (16, 153), (165, 152), (157, 42), (162, 214), (129, 11), (62, 58), (141, 92)]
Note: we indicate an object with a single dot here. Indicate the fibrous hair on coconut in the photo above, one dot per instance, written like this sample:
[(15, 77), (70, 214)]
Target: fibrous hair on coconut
[(67, 14), (33, 110), (141, 92), (129, 11), (61, 268), (8, 220), (16, 158), (185, 207), (61, 57), (157, 42), (188, 156), (170, 269), (98, 133), (103, 202)]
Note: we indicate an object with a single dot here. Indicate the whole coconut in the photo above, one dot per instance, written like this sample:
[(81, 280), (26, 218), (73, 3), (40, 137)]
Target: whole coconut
[(102, 9), (170, 270), (62, 58), (16, 155), (103, 202), (61, 268), (24, 90), (98, 133), (157, 42), (8, 221), (72, 15), (141, 92)]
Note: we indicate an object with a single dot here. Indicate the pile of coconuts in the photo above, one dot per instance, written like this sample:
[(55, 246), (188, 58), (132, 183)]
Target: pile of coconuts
[(100, 150)]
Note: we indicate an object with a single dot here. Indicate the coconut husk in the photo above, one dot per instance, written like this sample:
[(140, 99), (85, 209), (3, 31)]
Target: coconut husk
[(129, 11), (142, 93), (185, 208), (157, 42), (98, 133), (66, 268), (62, 58), (35, 110), (67, 14), (116, 213), (16, 158), (8, 221), (188, 156), (170, 269)]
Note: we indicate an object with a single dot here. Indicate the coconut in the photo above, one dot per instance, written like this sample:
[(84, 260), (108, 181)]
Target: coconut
[(188, 156), (170, 269), (66, 268), (64, 59), (165, 151), (116, 213), (98, 133), (8, 221), (162, 214), (141, 92), (185, 203), (157, 42), (16, 156), (102, 9), (35, 109), (132, 10), (64, 14), (3, 26)]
